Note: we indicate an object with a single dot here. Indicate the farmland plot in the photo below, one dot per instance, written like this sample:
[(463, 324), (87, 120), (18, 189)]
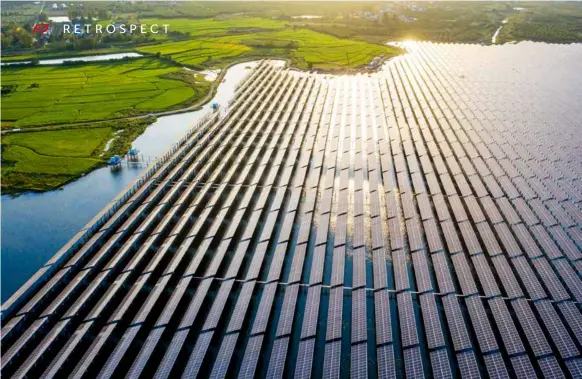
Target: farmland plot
[(304, 47), (94, 92)]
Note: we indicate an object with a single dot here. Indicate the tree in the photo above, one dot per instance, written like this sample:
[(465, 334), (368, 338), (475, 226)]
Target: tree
[(158, 55), (34, 61), (103, 14), (310, 65)]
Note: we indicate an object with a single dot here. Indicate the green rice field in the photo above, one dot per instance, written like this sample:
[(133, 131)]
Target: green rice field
[(43, 160), (304, 47), (214, 27), (93, 92)]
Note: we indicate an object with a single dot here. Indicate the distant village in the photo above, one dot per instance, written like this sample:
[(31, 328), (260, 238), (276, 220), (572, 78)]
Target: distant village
[(391, 9)]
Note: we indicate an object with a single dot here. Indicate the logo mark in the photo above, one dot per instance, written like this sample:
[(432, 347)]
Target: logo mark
[(40, 28)]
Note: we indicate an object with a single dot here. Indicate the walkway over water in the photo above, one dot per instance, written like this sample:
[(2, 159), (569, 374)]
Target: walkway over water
[(407, 223)]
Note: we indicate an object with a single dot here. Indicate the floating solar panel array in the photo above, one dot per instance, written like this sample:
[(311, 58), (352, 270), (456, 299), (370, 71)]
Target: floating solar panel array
[(424, 221)]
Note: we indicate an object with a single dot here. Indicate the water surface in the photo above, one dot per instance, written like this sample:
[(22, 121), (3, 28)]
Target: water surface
[(89, 58)]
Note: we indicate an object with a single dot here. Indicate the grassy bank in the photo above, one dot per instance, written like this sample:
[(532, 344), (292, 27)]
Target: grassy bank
[(46, 160)]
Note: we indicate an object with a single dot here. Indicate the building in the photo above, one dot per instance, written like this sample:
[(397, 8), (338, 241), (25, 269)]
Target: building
[(57, 24)]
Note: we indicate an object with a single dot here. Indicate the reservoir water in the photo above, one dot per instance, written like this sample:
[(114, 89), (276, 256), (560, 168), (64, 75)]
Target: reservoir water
[(36, 225)]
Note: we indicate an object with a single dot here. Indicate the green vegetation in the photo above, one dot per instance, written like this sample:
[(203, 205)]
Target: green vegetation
[(213, 27), (46, 160), (78, 142), (97, 91), (304, 47), (544, 22)]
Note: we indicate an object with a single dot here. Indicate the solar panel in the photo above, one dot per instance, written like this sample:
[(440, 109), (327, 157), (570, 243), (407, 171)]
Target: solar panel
[(337, 270), (386, 365), (432, 325), (359, 323), (557, 330), (278, 358), (286, 227), (174, 348), (565, 243), (464, 188), (251, 227), (534, 334), (545, 241), (222, 362), (495, 366), (448, 185), (407, 320), (525, 239), (424, 206), (507, 277), (343, 201), (542, 213), (264, 309), (407, 205), (440, 364), (218, 305), (374, 203), (305, 359), (322, 227), (479, 188), (359, 267), (528, 278), (422, 273), (316, 275), (414, 237), (391, 205), (456, 323), (413, 363), (470, 238), (509, 243), (418, 183), (572, 316), (332, 359), (400, 265), (550, 367), (377, 235), (334, 314), (458, 209), (493, 186), (195, 304), (505, 326), (433, 185), (257, 258), (372, 178), (359, 364), (288, 310), (358, 180), (396, 237), (251, 357), (481, 325), (340, 230)]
